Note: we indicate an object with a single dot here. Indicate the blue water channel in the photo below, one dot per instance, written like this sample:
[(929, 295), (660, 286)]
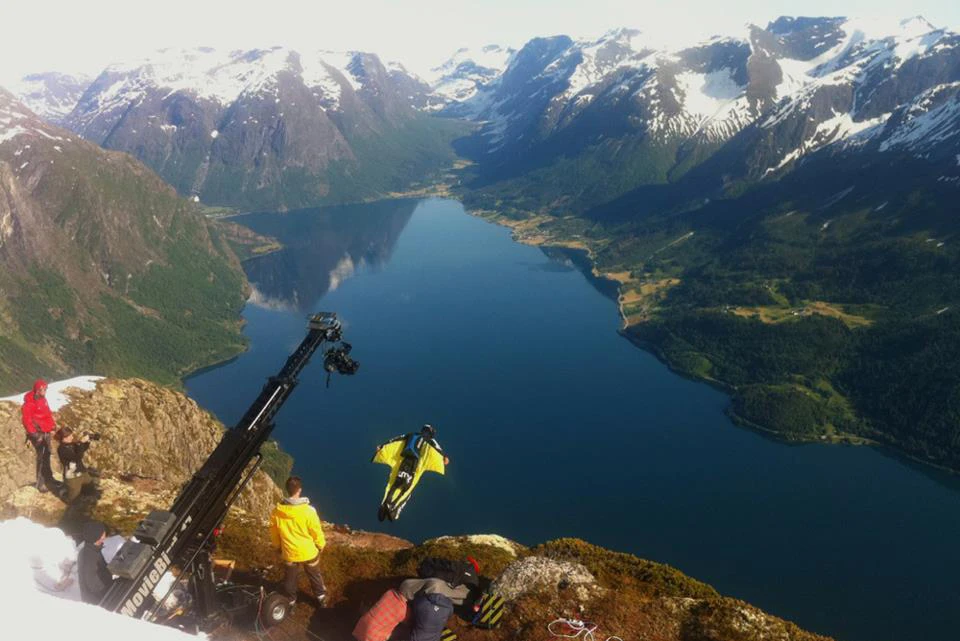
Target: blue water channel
[(557, 426)]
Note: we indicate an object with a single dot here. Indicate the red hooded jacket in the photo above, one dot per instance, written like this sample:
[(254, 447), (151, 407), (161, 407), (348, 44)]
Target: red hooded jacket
[(35, 412)]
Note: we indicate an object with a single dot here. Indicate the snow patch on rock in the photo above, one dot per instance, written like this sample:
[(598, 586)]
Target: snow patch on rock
[(926, 123), (40, 584), (16, 120), (56, 391), (207, 73), (705, 94), (467, 71), (342, 61)]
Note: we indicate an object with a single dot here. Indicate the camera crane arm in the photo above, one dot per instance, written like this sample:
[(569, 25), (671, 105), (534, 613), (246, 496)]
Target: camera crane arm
[(183, 536)]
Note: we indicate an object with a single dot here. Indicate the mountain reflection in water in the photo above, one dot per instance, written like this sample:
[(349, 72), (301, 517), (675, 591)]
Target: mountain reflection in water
[(321, 249)]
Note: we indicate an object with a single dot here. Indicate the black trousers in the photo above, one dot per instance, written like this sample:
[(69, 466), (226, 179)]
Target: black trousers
[(312, 568), (41, 443), (404, 477)]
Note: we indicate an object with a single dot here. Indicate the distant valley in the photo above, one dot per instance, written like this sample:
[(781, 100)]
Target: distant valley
[(777, 204)]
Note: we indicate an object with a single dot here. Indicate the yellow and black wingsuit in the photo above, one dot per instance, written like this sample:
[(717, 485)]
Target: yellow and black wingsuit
[(428, 458)]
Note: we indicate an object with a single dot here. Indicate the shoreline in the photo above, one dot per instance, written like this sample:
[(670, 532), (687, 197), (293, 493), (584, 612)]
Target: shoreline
[(434, 187), (528, 232), (203, 369), (540, 238), (841, 438)]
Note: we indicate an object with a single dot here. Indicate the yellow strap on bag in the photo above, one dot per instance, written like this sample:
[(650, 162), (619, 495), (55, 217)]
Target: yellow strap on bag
[(490, 612)]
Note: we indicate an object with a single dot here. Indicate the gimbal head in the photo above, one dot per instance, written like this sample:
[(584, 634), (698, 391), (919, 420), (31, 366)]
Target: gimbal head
[(337, 358)]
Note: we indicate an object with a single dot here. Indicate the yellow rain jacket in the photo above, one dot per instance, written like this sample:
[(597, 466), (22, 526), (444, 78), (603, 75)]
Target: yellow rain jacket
[(295, 529)]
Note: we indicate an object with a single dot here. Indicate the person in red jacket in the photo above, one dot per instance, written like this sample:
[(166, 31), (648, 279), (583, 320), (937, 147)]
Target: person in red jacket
[(39, 424)]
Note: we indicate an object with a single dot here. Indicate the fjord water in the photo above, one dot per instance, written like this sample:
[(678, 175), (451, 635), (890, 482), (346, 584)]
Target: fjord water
[(557, 426)]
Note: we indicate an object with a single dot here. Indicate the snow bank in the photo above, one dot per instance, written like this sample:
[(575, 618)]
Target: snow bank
[(707, 93), (341, 61), (40, 585), (55, 396), (208, 73)]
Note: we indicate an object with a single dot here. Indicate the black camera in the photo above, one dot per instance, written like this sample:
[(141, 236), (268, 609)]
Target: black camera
[(94, 436), (337, 359)]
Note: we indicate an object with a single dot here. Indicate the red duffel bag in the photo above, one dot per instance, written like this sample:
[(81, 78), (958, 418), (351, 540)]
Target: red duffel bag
[(380, 620)]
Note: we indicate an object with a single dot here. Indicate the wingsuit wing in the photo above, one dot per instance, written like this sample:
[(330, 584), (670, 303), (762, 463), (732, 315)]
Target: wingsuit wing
[(431, 461), (389, 453)]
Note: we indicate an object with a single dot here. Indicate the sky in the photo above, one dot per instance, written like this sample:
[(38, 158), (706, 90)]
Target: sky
[(85, 35)]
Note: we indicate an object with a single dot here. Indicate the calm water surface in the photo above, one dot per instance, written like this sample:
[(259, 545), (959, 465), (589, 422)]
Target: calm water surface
[(557, 426)]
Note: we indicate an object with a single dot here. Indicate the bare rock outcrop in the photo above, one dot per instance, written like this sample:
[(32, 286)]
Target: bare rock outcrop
[(16, 455), (148, 433), (542, 574), (512, 548)]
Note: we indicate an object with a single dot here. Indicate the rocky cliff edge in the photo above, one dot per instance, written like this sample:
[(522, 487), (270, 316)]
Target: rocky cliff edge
[(153, 439)]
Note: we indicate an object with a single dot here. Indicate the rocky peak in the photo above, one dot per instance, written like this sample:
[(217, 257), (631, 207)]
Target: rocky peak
[(257, 129), (16, 119), (51, 95), (805, 38), (152, 438), (467, 71)]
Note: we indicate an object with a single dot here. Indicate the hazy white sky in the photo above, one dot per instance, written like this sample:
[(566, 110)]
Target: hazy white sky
[(85, 35)]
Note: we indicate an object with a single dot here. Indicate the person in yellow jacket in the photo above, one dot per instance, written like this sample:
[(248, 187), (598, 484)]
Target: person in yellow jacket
[(296, 532)]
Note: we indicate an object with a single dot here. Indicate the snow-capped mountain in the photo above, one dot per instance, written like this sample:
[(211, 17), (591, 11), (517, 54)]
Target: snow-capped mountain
[(266, 128), (460, 77), (731, 109), (863, 75), (50, 95), (927, 125), (555, 83), (16, 121)]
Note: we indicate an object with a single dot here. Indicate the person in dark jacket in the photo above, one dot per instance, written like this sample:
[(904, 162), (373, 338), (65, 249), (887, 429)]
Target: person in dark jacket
[(430, 615), (38, 422), (94, 577), (76, 475)]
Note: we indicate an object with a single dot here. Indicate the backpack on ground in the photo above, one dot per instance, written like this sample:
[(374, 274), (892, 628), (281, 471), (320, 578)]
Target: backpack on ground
[(430, 615), (489, 611), (453, 572)]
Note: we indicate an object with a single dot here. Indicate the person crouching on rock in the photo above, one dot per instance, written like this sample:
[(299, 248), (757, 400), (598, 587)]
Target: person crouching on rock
[(92, 573), (39, 424), (76, 475), (295, 530)]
